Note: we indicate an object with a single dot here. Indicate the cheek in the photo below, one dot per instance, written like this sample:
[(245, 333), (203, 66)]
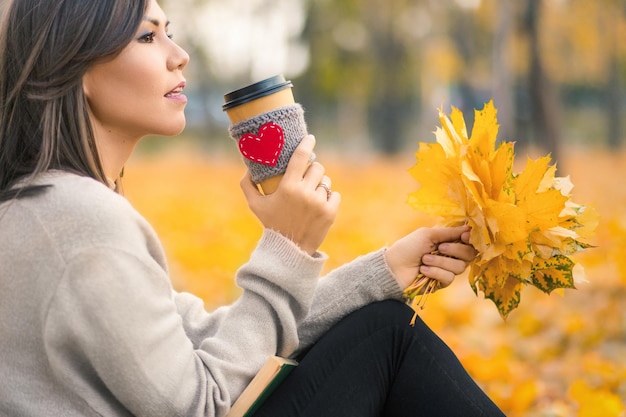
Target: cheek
[(138, 86), (127, 95), (142, 89)]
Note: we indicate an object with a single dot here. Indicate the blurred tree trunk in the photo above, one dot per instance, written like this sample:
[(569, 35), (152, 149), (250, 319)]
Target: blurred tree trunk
[(463, 33), (352, 125), (613, 90), (390, 104), (543, 101), (502, 78)]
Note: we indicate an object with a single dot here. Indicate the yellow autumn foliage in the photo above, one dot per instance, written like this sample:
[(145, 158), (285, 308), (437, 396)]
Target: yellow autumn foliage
[(594, 402), (524, 226)]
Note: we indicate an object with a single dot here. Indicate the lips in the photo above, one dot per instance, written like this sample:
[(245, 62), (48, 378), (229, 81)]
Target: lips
[(176, 91), (176, 94)]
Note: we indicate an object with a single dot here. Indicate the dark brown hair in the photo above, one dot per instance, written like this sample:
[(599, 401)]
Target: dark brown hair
[(46, 46)]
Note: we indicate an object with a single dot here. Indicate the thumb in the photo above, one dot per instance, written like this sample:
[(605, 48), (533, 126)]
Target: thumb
[(248, 186), (300, 159), (448, 234)]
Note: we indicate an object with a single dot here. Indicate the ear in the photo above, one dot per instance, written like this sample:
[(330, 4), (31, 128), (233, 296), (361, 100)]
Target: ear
[(88, 91), (87, 84)]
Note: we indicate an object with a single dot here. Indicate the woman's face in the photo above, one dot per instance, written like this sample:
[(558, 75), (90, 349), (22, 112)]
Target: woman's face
[(139, 92)]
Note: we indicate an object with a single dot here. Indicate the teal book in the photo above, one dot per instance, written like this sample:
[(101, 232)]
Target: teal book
[(262, 385)]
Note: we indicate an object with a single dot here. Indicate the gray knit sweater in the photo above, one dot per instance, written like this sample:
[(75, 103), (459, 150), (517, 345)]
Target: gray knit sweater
[(90, 324)]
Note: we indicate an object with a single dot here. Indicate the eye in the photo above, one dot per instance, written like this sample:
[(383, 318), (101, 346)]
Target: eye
[(170, 35), (148, 37)]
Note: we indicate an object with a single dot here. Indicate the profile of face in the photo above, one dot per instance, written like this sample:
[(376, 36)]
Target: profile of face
[(139, 91)]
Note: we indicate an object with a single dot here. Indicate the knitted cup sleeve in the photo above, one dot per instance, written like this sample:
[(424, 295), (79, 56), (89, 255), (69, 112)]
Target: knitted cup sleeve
[(268, 140)]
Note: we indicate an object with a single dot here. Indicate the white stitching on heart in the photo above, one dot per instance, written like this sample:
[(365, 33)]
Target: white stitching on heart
[(258, 138)]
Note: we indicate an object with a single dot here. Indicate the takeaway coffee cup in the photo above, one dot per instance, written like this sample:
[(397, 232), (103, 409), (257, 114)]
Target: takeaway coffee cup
[(257, 98), (267, 125)]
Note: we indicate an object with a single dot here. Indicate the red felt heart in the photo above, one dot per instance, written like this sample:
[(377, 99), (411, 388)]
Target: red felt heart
[(264, 148)]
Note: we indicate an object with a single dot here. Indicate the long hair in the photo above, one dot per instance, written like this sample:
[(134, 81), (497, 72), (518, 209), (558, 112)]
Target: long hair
[(46, 46)]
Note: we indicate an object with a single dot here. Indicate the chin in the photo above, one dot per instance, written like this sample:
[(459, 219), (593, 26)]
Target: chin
[(173, 129)]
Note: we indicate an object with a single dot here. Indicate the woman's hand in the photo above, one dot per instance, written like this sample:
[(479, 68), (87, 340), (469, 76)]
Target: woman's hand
[(300, 209), (411, 254)]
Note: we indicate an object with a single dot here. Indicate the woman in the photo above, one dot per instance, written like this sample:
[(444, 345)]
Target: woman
[(90, 325)]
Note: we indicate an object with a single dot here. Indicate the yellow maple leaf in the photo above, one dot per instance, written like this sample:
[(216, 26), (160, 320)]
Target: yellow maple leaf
[(497, 282), (534, 175), (555, 272), (524, 226)]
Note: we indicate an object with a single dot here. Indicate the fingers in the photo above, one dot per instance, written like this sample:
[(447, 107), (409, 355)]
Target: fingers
[(456, 266), (309, 174), (301, 170), (248, 186), (324, 187), (313, 176), (298, 165), (465, 237), (300, 208), (325, 182), (452, 261), (449, 234), (443, 276), (455, 253), (458, 250), (334, 198)]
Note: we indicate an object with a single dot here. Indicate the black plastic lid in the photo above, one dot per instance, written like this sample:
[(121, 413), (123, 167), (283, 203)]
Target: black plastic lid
[(257, 90)]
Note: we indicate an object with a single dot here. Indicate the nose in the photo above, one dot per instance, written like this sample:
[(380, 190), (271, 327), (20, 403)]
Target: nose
[(178, 59)]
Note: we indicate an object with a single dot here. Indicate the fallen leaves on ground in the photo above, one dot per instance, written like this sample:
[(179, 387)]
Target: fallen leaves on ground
[(555, 356)]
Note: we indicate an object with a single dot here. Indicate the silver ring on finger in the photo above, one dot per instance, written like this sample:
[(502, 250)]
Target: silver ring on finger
[(327, 188)]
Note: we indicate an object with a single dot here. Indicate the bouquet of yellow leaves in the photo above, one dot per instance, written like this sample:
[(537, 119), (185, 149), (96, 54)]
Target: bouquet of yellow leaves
[(524, 226)]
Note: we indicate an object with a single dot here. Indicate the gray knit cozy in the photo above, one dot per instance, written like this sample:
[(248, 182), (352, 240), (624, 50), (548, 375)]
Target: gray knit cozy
[(291, 120)]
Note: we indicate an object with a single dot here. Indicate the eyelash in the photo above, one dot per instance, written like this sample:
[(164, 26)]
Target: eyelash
[(149, 37)]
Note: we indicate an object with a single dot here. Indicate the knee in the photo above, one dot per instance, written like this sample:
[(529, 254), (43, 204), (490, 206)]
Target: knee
[(387, 312)]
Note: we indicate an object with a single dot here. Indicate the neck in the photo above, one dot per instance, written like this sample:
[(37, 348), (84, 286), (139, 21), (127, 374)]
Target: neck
[(114, 150)]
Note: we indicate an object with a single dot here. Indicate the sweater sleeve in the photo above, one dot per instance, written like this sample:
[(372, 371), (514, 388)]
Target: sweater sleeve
[(365, 280), (123, 340)]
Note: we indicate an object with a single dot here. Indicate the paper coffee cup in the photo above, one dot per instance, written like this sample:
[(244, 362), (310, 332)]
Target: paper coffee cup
[(257, 99)]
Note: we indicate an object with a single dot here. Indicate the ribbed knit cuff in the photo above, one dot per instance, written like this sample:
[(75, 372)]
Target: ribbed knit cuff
[(261, 166)]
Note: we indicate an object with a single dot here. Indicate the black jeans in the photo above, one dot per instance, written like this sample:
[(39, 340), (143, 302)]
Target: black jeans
[(373, 363)]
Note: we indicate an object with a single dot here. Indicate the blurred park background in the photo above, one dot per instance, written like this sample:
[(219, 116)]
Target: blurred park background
[(371, 75)]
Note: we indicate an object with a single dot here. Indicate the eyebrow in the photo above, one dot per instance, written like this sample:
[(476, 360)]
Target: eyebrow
[(155, 22)]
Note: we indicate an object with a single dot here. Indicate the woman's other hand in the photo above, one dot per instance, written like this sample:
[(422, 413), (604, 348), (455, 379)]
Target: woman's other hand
[(411, 254), (300, 209)]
